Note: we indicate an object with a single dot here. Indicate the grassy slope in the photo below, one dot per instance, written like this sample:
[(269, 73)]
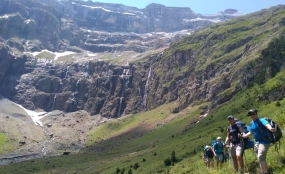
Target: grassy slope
[(234, 43), (126, 141), (109, 154)]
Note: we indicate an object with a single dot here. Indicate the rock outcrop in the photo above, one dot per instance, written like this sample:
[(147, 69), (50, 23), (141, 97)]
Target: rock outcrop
[(63, 25), (186, 72)]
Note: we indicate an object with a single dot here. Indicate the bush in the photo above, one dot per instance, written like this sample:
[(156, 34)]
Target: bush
[(167, 162), (136, 166), (278, 104), (173, 157)]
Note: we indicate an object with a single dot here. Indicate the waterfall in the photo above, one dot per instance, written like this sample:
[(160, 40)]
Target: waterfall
[(122, 96), (46, 142), (66, 74), (60, 86), (53, 102), (86, 70), (125, 76), (77, 83), (120, 106), (146, 88)]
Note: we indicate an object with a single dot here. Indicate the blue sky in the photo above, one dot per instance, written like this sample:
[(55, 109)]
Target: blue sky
[(204, 6)]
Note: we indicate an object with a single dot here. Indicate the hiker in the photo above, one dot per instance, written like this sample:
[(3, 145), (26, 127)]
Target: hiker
[(262, 144), (209, 156), (234, 132), (219, 150)]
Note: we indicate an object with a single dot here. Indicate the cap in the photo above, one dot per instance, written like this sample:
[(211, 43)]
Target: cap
[(219, 138), (252, 111), (230, 117)]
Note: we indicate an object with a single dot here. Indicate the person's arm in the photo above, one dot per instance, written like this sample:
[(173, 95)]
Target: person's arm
[(267, 125), (240, 129), (227, 138), (247, 134)]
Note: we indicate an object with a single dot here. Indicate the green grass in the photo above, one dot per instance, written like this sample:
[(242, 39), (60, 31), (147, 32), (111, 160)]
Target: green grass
[(5, 145), (150, 137), (137, 138)]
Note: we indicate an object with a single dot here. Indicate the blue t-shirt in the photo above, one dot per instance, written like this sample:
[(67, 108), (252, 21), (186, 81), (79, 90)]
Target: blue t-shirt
[(258, 133), (218, 147)]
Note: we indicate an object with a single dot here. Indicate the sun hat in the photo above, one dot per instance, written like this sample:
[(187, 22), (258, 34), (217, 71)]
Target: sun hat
[(219, 138)]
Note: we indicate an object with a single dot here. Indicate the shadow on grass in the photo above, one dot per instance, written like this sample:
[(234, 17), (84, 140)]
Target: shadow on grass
[(252, 167)]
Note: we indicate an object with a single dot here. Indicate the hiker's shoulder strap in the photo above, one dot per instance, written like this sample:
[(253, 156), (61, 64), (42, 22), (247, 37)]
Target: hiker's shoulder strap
[(262, 123)]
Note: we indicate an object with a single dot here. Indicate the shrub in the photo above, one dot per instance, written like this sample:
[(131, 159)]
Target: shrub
[(278, 104), (173, 157), (136, 166), (167, 162)]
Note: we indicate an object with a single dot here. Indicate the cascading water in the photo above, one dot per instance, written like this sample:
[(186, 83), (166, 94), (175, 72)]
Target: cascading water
[(53, 102), (77, 83), (66, 74), (125, 76), (146, 88), (46, 142)]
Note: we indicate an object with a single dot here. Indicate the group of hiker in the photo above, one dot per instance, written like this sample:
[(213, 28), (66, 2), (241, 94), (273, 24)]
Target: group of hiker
[(234, 142)]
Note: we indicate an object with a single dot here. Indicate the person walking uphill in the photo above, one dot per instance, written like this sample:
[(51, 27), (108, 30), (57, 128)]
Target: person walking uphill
[(209, 154), (219, 150), (262, 144), (234, 132)]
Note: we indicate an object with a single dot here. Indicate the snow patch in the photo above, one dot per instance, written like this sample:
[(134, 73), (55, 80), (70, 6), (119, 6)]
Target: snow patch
[(202, 19), (57, 54), (35, 116), (5, 16)]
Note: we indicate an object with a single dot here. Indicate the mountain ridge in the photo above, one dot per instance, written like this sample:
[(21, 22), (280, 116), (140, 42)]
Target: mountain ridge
[(194, 83)]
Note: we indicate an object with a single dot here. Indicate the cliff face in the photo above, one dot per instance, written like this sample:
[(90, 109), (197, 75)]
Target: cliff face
[(210, 65), (74, 25)]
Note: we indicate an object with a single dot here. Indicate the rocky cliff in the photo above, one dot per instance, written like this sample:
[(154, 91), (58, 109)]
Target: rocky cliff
[(74, 25), (210, 65)]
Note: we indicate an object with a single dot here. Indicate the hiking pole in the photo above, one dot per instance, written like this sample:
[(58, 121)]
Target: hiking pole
[(229, 161)]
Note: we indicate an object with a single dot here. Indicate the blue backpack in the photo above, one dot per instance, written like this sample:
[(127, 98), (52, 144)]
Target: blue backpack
[(247, 142), (221, 147)]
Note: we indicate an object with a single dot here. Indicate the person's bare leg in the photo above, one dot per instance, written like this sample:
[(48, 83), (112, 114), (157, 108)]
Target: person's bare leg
[(263, 166), (240, 161), (235, 162)]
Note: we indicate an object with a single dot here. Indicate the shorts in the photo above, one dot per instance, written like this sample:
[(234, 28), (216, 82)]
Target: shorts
[(210, 159), (220, 157), (261, 151), (236, 150)]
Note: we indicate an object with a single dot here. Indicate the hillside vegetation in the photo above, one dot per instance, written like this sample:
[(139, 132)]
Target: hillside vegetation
[(249, 51)]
